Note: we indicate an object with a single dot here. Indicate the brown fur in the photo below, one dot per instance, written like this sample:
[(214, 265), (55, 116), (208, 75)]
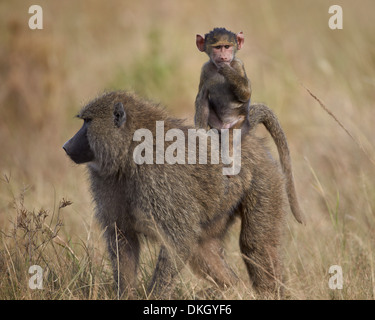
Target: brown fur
[(223, 101), (187, 208), (260, 113), (224, 92)]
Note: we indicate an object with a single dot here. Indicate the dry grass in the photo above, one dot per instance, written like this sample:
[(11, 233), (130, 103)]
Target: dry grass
[(47, 75)]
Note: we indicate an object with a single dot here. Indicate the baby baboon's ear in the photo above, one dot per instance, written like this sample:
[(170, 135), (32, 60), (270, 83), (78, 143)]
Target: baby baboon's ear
[(200, 43), (119, 115)]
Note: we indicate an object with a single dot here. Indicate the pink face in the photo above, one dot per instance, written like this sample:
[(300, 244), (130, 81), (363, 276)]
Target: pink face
[(222, 54)]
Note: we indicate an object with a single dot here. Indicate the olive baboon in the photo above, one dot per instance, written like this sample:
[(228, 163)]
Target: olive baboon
[(187, 207), (224, 93), (260, 113), (223, 99)]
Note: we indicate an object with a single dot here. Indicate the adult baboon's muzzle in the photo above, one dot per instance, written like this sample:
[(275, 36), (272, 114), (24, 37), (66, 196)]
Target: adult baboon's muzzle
[(78, 148)]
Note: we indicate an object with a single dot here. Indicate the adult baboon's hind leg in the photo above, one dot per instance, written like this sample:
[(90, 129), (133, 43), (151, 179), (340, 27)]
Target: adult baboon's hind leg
[(260, 237)]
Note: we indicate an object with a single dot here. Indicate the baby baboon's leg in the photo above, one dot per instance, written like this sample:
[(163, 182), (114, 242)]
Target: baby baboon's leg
[(208, 260), (124, 253), (259, 243)]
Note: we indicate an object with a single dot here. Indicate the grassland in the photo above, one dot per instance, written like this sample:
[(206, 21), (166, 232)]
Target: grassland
[(46, 214)]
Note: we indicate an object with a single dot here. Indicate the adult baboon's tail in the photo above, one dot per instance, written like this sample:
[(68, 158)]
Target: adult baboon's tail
[(260, 113)]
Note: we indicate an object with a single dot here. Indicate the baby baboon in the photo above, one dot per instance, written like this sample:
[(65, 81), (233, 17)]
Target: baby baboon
[(224, 90), (223, 100), (187, 207)]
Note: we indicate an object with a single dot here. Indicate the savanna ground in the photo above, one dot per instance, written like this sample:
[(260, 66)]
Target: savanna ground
[(46, 213)]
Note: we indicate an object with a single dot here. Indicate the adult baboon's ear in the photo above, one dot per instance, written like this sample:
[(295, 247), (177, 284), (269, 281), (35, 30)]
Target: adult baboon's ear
[(119, 115)]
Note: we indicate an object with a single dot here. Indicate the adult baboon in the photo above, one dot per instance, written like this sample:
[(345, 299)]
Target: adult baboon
[(187, 207)]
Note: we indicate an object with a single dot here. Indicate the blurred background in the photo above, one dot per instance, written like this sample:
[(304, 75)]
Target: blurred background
[(88, 47)]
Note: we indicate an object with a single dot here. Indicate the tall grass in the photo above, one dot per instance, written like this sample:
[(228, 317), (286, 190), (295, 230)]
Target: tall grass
[(46, 214), (69, 270)]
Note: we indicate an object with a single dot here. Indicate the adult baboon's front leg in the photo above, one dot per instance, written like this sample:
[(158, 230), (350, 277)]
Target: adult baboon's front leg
[(167, 268), (124, 253), (208, 260)]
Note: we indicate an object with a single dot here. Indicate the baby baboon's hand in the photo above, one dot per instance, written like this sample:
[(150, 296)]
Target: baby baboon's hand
[(226, 70)]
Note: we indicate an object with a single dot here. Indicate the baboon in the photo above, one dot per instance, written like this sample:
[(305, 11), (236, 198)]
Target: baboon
[(224, 93), (223, 100), (260, 113), (188, 208)]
